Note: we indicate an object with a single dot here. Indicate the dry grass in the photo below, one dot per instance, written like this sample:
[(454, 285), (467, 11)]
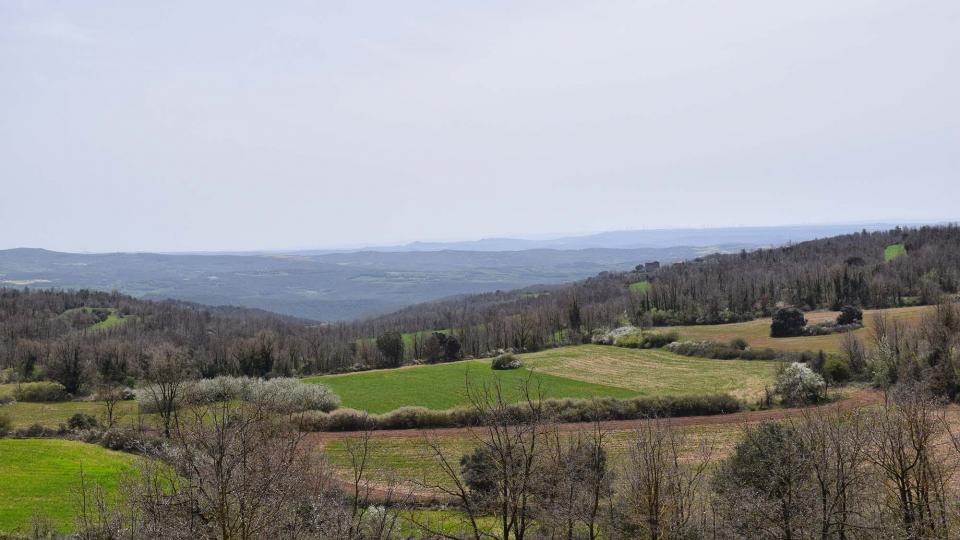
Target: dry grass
[(757, 333), (653, 372)]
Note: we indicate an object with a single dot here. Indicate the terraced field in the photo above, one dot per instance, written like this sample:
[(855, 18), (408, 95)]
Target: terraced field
[(43, 475), (757, 332)]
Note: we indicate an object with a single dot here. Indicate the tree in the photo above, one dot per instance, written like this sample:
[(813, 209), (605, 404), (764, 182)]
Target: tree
[(233, 472), (787, 322), (765, 489), (661, 484), (799, 385), (167, 378), (390, 345), (573, 314), (850, 315)]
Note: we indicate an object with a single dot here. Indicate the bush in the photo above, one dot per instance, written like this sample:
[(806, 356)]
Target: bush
[(293, 395), (413, 418), (5, 423), (44, 391), (799, 385), (506, 361), (562, 410), (282, 394), (850, 315), (35, 431), (81, 421), (787, 322), (836, 371), (349, 420), (128, 440), (739, 343), (722, 351), (646, 340)]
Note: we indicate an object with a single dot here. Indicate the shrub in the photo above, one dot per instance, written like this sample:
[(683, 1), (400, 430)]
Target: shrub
[(282, 394), (349, 420), (5, 423), (413, 418), (506, 361), (836, 371), (81, 421), (292, 395), (721, 351), (44, 391), (799, 385), (850, 315), (739, 343), (563, 410), (35, 431), (128, 440), (787, 322), (603, 337), (655, 340)]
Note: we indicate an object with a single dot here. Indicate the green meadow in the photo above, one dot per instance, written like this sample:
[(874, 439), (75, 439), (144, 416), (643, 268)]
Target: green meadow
[(893, 251), (582, 371), (43, 476)]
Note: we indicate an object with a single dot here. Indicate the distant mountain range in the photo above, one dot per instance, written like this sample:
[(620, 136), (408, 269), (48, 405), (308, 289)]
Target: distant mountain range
[(339, 285), (649, 238)]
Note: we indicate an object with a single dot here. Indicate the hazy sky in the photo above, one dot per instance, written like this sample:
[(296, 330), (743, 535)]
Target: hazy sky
[(185, 125)]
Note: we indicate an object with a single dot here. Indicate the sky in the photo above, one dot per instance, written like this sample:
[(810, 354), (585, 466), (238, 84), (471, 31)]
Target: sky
[(183, 125)]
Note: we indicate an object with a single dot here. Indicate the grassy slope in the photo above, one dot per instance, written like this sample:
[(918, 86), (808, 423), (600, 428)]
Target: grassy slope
[(893, 251), (640, 286), (43, 475), (443, 386), (652, 372), (581, 371), (757, 332), (407, 458), (51, 415)]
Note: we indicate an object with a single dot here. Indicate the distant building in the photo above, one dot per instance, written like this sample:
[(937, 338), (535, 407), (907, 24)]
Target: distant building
[(651, 266)]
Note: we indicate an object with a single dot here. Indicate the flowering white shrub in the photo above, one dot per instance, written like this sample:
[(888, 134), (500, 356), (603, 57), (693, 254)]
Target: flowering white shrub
[(281, 394), (798, 384)]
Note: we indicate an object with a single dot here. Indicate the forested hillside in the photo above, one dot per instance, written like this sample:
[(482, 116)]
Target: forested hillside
[(79, 337)]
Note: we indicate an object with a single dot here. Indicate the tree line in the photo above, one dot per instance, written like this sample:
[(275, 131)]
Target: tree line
[(45, 334)]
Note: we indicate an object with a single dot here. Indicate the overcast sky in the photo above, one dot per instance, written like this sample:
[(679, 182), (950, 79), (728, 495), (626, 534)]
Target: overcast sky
[(185, 125)]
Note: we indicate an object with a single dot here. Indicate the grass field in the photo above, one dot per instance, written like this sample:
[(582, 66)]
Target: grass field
[(652, 372), (893, 251), (640, 286), (582, 371), (51, 415), (443, 386), (43, 475), (757, 332), (408, 459)]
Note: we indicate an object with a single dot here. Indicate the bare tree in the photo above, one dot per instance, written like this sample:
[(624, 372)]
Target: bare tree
[(660, 486), (906, 448), (167, 378), (509, 444)]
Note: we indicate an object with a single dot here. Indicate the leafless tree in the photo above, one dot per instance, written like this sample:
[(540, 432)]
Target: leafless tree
[(661, 484), (167, 379)]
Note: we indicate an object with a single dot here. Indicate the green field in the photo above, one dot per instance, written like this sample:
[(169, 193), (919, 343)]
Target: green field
[(113, 319), (51, 415), (43, 475), (579, 372), (640, 286), (443, 386), (893, 251)]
